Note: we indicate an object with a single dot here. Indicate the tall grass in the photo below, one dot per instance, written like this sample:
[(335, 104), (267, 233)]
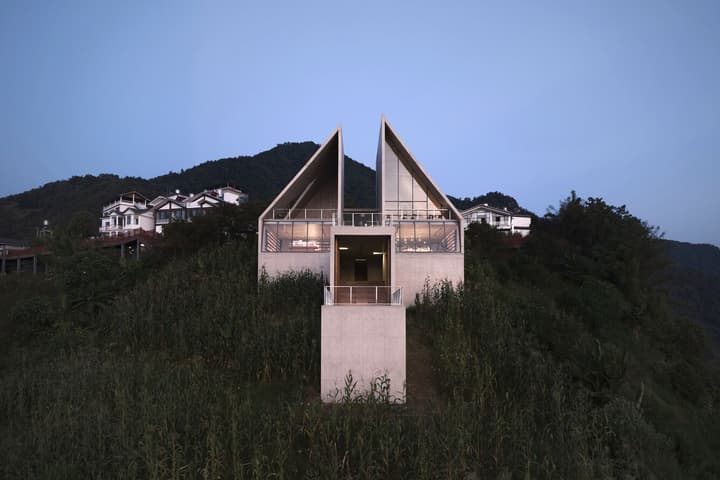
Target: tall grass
[(205, 372), (213, 306)]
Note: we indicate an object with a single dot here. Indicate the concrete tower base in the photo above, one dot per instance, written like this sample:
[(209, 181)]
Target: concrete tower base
[(366, 341)]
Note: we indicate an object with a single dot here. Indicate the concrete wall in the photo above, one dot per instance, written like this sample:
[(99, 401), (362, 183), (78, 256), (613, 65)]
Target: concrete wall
[(278, 263), (324, 195), (368, 341), (412, 270), (147, 221)]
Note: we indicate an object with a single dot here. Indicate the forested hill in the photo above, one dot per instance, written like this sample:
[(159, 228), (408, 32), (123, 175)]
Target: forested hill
[(262, 176), (694, 284)]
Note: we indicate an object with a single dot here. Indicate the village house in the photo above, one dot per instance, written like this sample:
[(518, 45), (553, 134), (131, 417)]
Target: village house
[(374, 261), (132, 213), (126, 214), (500, 219)]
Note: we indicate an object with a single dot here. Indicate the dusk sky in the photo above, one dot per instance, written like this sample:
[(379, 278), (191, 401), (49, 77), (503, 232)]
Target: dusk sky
[(613, 99)]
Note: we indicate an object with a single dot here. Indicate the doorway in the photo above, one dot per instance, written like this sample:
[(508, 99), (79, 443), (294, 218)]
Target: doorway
[(362, 269), (362, 260)]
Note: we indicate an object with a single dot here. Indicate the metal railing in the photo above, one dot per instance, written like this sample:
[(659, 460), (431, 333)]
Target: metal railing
[(362, 218), (133, 231), (304, 214), (420, 214), (363, 295), (118, 229), (124, 202), (373, 218)]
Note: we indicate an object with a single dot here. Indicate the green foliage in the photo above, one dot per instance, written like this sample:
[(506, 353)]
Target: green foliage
[(218, 226), (90, 278), (33, 317), (554, 361), (693, 283), (82, 225), (592, 237), (210, 306)]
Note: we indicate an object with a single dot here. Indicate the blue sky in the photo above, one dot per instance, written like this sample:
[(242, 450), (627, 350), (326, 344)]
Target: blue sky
[(615, 99)]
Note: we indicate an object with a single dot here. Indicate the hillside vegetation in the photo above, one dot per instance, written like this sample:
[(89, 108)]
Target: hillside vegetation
[(262, 176), (560, 360), (693, 281)]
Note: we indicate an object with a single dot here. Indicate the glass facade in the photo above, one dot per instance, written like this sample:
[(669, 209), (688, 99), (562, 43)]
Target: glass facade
[(423, 236), (404, 197), (296, 236)]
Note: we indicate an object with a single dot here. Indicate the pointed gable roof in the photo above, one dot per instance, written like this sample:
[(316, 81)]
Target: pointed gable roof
[(388, 136), (326, 161), (170, 201)]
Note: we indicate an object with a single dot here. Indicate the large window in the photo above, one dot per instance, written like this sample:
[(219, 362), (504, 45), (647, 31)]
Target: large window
[(427, 237), (296, 236), (404, 197)]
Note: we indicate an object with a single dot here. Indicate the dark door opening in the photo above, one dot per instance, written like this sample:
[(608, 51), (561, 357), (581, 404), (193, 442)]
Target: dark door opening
[(362, 260), (361, 270)]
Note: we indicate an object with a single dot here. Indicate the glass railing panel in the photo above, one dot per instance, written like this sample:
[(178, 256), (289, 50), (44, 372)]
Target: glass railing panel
[(427, 236), (304, 214), (296, 236), (363, 295)]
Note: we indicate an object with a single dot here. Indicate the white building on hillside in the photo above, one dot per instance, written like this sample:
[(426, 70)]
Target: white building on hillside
[(375, 261), (128, 213), (501, 219), (178, 207), (132, 212)]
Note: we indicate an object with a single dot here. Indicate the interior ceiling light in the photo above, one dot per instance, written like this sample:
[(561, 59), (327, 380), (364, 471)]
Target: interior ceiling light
[(377, 253), (342, 248)]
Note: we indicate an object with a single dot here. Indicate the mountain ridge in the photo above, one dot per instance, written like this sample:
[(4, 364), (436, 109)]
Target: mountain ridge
[(262, 176)]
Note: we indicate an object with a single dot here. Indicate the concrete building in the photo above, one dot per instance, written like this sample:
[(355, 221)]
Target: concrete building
[(500, 219), (374, 261)]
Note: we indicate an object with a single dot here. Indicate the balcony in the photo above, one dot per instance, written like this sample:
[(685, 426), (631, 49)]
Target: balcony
[(303, 214), (362, 218), (418, 214), (358, 217), (363, 295)]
